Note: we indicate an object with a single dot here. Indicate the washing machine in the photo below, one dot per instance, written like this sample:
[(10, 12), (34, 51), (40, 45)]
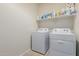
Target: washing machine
[(62, 42), (40, 42)]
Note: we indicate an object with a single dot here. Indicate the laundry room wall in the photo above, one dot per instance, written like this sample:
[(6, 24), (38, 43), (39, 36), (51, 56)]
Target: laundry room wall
[(48, 7), (17, 22), (76, 28), (76, 25), (66, 22)]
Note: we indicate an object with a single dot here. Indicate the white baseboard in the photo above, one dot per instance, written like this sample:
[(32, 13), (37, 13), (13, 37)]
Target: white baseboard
[(24, 52)]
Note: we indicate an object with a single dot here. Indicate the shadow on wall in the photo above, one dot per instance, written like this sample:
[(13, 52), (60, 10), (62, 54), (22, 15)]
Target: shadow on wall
[(77, 48)]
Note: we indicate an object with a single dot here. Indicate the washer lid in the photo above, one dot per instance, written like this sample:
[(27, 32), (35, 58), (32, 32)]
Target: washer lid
[(42, 30)]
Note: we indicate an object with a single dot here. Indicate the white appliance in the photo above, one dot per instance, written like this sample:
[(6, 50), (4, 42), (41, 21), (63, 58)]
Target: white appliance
[(62, 42), (40, 40)]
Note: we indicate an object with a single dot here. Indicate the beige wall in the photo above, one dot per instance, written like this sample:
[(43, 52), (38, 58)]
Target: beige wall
[(17, 21), (76, 25), (76, 28), (66, 22), (47, 7)]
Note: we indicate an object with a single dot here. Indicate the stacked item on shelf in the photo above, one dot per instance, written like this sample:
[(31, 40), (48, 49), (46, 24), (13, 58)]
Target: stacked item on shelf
[(69, 10)]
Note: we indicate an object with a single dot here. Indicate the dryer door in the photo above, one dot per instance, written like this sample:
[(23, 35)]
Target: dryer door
[(62, 46)]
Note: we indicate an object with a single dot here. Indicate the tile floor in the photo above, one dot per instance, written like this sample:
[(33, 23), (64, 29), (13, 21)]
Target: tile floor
[(32, 53)]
